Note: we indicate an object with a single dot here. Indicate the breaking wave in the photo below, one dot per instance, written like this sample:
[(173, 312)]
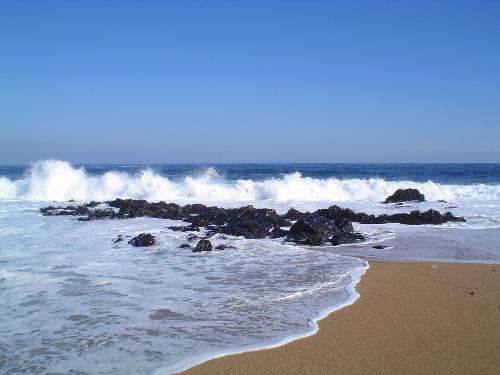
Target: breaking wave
[(59, 181)]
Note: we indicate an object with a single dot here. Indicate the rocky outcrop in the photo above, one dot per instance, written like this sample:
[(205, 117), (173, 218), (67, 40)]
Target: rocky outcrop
[(130, 208), (105, 213), (203, 245), (293, 214), (405, 195), (344, 215), (143, 239), (250, 222), (317, 230), (332, 225)]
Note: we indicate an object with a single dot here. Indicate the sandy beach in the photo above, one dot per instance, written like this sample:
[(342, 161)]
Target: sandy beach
[(411, 318)]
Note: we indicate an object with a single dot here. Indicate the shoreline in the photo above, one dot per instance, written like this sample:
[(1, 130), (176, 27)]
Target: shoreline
[(179, 368), (412, 317)]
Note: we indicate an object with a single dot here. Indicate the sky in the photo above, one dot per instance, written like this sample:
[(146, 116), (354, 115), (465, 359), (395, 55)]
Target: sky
[(249, 81)]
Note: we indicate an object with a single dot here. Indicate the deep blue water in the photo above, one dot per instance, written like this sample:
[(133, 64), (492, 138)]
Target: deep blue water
[(441, 173)]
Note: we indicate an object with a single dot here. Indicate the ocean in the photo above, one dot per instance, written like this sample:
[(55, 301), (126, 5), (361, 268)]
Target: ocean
[(74, 301)]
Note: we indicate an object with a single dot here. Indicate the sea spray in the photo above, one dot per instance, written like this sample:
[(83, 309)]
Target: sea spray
[(58, 180)]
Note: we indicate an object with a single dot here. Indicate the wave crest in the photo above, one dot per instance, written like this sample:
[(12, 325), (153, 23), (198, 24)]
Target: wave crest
[(58, 180)]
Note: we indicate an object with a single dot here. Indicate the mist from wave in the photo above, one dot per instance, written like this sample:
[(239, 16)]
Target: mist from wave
[(55, 180)]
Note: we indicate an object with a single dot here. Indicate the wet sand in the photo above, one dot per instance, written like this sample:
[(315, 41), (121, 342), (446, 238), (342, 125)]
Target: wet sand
[(411, 318)]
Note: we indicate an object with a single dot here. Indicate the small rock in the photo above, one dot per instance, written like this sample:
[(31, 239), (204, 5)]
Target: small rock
[(203, 245), (143, 239), (380, 247), (224, 247), (185, 246), (119, 238), (176, 228)]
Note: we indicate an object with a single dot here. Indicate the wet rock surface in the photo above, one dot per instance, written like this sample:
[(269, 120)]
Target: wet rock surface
[(327, 226), (203, 245), (405, 195), (142, 240)]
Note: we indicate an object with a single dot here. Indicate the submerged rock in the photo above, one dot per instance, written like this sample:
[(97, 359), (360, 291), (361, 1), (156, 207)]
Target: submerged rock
[(119, 238), (65, 211), (143, 239), (225, 246), (203, 245), (405, 195), (104, 213), (185, 246)]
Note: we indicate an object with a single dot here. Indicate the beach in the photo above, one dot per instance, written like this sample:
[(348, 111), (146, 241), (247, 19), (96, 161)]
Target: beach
[(123, 285), (411, 317)]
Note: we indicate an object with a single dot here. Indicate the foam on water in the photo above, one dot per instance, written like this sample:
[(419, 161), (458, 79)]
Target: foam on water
[(79, 301), (58, 180)]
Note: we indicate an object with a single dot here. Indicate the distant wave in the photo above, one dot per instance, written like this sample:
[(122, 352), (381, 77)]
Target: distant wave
[(59, 181)]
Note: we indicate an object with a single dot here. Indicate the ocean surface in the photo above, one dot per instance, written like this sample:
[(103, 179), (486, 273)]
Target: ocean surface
[(73, 301)]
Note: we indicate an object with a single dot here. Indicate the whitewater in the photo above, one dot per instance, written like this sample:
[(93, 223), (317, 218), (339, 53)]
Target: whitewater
[(76, 301)]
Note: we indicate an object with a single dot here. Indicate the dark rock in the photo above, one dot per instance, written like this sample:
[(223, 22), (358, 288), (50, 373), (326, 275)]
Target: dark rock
[(203, 245), (185, 246), (278, 232), (191, 228), (312, 230), (225, 246), (198, 221), (442, 201), (65, 211), (314, 224), (324, 226), (341, 216), (346, 238), (250, 222), (307, 239), (317, 230), (130, 208), (143, 239), (380, 247), (405, 195), (105, 213), (421, 218), (186, 228), (344, 215), (119, 238), (92, 204), (176, 228), (293, 214)]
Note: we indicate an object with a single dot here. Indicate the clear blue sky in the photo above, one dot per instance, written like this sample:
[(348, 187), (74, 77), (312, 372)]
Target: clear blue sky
[(250, 81)]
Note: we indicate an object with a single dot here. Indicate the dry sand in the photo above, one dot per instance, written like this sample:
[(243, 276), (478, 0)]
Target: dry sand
[(411, 318)]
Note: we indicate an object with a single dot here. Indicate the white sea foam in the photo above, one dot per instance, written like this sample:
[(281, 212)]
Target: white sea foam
[(119, 309), (58, 180)]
